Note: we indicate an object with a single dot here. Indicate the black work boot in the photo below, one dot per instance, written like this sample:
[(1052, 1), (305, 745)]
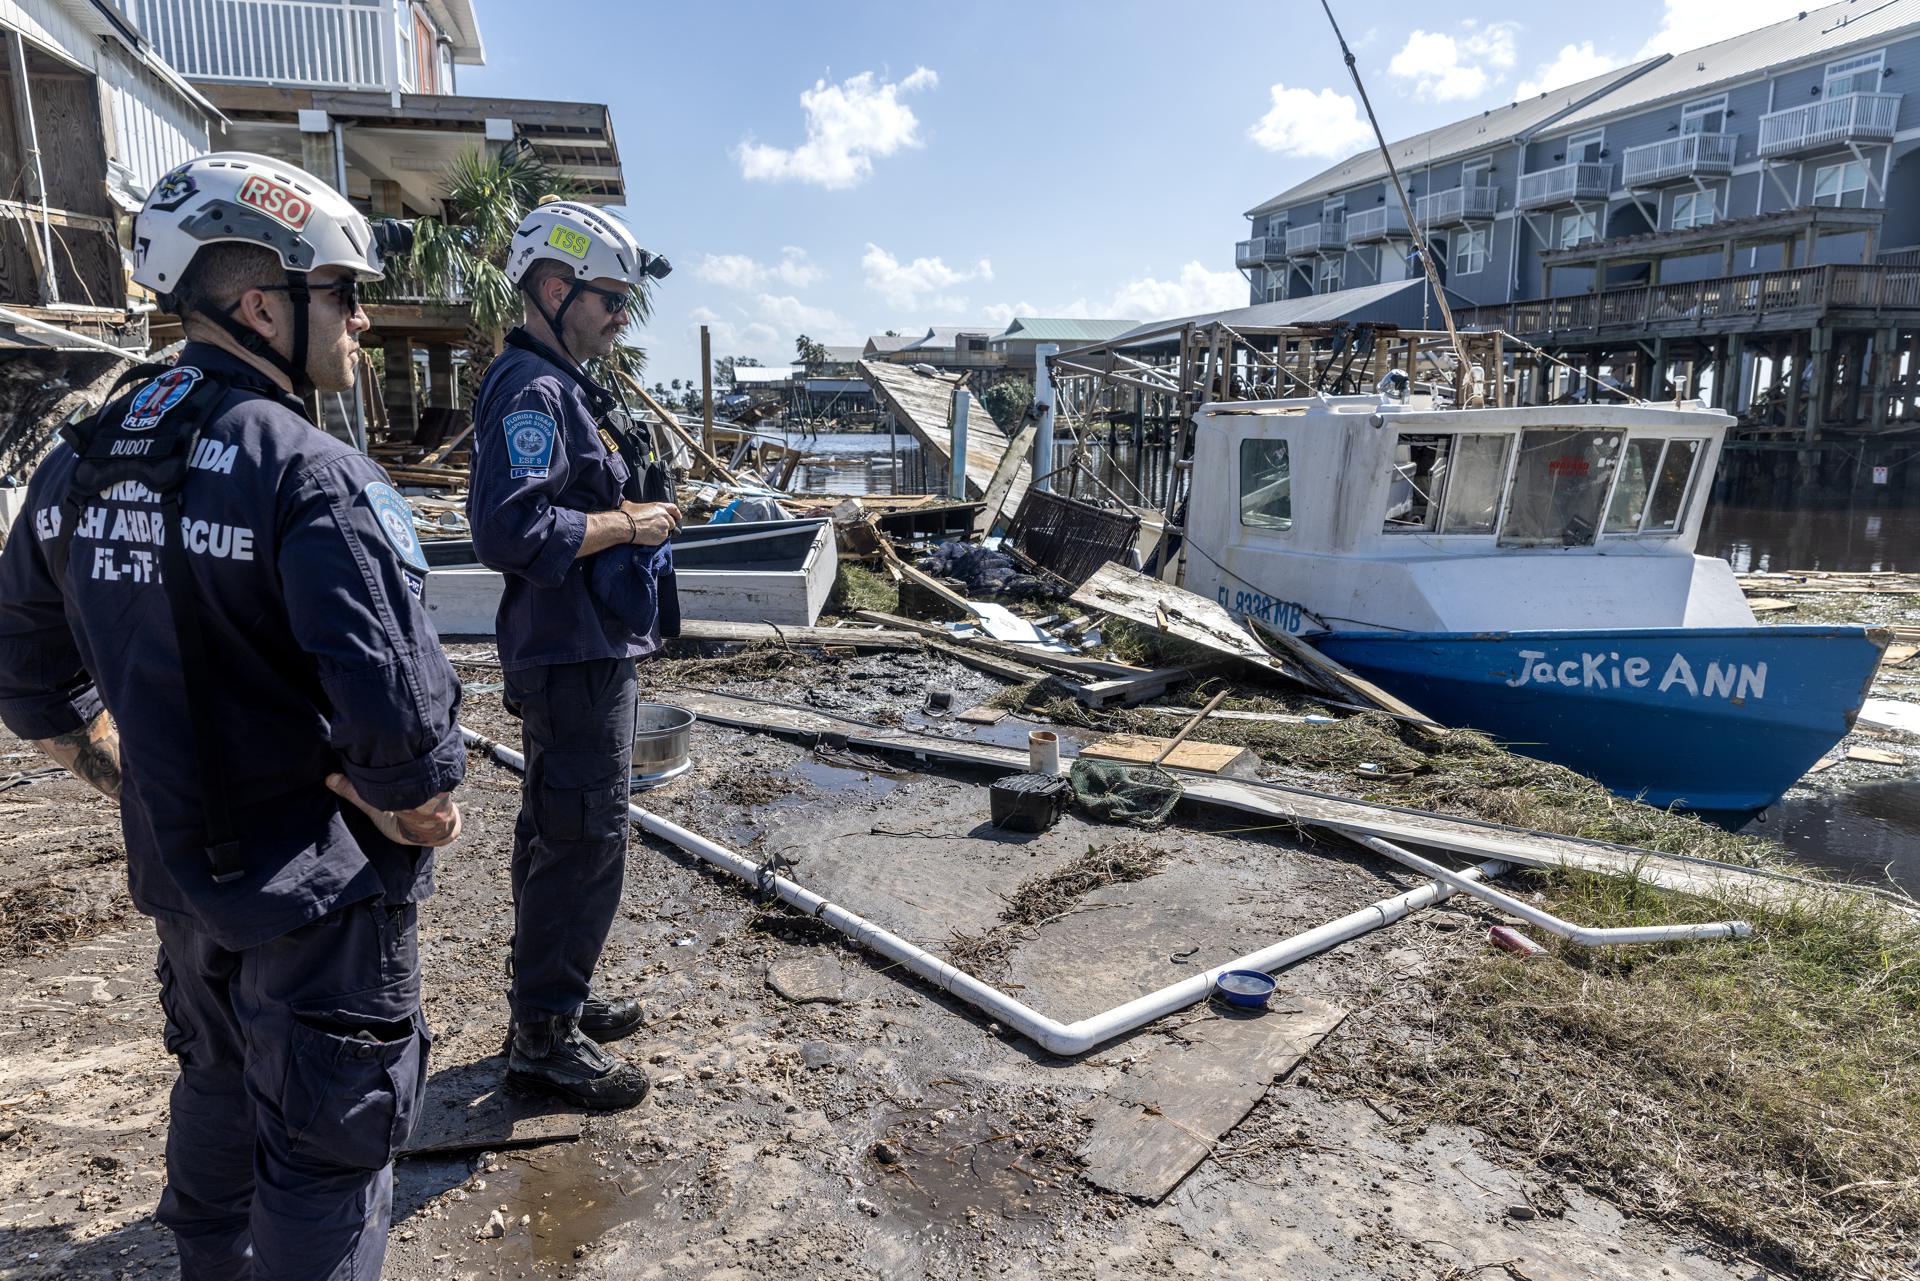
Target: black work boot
[(551, 1056), (608, 1019)]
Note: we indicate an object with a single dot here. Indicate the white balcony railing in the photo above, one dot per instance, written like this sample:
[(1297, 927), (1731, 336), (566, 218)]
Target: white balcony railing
[(1316, 237), (296, 43), (1850, 117), (1457, 205), (1377, 223), (1259, 251), (1691, 155), (1564, 184)]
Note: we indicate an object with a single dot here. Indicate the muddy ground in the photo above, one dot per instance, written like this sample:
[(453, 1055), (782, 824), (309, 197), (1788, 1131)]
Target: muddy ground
[(756, 1153)]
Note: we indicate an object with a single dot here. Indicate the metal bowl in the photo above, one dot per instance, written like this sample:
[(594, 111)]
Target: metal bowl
[(660, 749)]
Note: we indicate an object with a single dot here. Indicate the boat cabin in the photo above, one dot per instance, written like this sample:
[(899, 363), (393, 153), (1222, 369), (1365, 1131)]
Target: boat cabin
[(1354, 513)]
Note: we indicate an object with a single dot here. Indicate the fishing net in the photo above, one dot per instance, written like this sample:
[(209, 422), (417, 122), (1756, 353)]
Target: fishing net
[(1143, 795)]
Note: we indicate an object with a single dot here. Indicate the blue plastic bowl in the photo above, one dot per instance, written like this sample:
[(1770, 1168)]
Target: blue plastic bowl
[(1248, 988)]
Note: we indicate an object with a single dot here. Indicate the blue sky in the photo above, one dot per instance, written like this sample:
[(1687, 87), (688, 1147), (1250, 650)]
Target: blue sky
[(844, 169)]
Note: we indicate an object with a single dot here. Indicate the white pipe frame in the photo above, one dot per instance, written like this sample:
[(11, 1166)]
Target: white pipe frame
[(1582, 935), (1065, 1039)]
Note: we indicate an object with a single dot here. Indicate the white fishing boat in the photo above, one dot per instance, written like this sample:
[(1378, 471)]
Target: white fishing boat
[(1525, 571)]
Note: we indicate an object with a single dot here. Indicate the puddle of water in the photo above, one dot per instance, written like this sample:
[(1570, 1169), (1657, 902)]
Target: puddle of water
[(570, 1201), (969, 1163), (1868, 833), (1842, 540), (841, 780)]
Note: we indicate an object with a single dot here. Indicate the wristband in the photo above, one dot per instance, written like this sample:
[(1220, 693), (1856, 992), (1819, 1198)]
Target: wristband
[(633, 527)]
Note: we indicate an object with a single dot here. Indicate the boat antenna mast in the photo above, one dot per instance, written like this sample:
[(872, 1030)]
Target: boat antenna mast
[(1413, 227)]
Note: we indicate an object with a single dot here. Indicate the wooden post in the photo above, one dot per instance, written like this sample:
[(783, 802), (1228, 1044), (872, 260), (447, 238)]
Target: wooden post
[(442, 392), (26, 154), (1880, 376), (396, 389), (706, 390)]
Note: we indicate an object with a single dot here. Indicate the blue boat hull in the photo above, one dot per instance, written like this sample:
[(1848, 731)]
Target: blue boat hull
[(1706, 718)]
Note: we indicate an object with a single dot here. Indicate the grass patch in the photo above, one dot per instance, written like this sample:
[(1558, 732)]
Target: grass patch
[(1765, 1092), (857, 587)]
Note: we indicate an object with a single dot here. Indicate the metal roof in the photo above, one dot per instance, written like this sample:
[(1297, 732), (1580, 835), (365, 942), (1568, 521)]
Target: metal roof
[(1063, 330), (1397, 302), (940, 337), (1491, 128), (1816, 33), (882, 344)]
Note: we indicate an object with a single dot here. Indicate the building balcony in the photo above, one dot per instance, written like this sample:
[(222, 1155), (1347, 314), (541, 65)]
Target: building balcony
[(1316, 238), (1564, 185), (1834, 122), (309, 44), (1379, 223), (1259, 251), (1456, 206), (1681, 159)]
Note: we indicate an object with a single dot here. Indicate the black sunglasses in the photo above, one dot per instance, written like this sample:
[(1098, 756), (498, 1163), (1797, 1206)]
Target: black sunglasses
[(616, 301), (346, 293)]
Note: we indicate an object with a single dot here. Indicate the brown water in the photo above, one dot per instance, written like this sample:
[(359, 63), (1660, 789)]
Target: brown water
[(1757, 539)]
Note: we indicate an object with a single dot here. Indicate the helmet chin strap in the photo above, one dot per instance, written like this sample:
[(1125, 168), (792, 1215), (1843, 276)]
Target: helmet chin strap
[(554, 320), (255, 343)]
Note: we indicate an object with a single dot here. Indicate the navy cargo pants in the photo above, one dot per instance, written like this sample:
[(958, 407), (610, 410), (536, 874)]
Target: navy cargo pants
[(570, 841), (302, 1064)]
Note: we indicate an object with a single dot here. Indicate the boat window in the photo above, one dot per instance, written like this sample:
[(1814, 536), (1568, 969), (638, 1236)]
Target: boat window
[(1666, 508), (1266, 488), (1446, 484), (1473, 490), (1559, 485), (1651, 496)]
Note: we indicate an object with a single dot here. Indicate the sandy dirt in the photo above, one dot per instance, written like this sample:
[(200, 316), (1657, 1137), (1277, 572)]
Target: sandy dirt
[(755, 1155)]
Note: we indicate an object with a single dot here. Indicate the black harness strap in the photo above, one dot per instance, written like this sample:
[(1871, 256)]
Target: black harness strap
[(157, 456)]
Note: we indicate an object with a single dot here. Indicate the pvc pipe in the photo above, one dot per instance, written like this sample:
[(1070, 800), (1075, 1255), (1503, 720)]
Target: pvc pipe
[(13, 317), (957, 448), (1043, 752), (1066, 1039), (1585, 936)]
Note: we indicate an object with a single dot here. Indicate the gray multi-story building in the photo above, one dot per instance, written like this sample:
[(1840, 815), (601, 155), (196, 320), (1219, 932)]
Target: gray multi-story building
[(1740, 221)]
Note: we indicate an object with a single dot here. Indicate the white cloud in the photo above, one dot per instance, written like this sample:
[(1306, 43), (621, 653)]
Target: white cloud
[(1447, 68), (1196, 290), (848, 124), (1143, 298), (766, 328), (917, 284), (1576, 62), (738, 271), (1304, 123), (1688, 24)]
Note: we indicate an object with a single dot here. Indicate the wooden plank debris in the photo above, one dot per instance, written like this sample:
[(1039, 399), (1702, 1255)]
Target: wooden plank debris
[(469, 1108), (1200, 757), (1769, 604), (1139, 598), (982, 715), (712, 630), (1278, 803), (1161, 1119), (921, 403), (1890, 713), (1875, 756), (1340, 674), (1822, 582), (1897, 655)]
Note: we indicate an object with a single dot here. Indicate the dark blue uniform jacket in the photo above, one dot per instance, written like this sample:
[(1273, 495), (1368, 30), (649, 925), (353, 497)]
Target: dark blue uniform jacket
[(323, 660), (540, 464)]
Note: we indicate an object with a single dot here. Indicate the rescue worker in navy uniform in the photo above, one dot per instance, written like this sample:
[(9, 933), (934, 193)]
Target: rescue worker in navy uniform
[(210, 611), (570, 503)]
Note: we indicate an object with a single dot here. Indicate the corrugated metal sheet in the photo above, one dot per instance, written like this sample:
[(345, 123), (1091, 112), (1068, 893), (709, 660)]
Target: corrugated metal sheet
[(1490, 128), (1817, 33), (1398, 302), (1063, 330)]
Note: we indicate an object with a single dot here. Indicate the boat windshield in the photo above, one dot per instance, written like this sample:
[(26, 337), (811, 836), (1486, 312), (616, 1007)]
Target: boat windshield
[(1443, 483), (1656, 476), (1559, 486)]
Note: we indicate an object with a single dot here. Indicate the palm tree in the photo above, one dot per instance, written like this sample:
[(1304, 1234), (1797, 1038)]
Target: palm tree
[(460, 255)]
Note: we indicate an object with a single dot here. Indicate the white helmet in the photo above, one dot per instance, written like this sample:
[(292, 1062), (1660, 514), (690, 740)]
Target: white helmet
[(593, 243), (241, 198)]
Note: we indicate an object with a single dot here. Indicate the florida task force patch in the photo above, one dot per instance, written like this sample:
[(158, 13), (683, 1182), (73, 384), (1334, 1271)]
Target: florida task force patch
[(530, 436), (396, 524)]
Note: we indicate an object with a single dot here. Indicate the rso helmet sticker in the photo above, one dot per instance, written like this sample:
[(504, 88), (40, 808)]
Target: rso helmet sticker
[(153, 401), (396, 522)]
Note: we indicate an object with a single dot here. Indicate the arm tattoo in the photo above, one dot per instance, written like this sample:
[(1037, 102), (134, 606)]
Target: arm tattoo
[(92, 753)]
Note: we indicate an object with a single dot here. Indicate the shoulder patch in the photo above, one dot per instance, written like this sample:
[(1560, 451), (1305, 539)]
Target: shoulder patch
[(396, 523), (530, 436), (151, 403)]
